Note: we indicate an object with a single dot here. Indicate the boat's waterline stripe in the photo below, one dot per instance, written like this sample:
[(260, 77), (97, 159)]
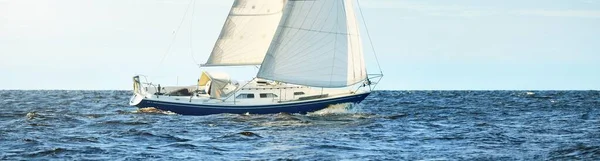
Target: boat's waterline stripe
[(254, 106)]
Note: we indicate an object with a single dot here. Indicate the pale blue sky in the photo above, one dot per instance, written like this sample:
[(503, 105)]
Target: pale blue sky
[(421, 44)]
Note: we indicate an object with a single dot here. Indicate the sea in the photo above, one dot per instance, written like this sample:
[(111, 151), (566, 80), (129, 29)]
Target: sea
[(388, 125)]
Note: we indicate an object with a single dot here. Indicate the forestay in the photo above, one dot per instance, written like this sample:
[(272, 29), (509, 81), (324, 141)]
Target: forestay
[(247, 33), (317, 44)]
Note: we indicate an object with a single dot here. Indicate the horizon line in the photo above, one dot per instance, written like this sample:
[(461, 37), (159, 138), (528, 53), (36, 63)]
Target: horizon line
[(373, 90)]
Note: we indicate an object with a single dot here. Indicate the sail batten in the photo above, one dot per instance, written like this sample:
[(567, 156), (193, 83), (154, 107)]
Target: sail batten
[(247, 33), (316, 44)]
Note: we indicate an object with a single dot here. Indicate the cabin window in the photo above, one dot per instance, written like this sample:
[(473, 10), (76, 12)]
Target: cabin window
[(245, 96), (261, 82), (298, 93), (268, 95)]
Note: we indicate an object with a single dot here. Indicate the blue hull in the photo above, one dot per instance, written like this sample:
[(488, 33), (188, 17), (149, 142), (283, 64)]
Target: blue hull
[(295, 107)]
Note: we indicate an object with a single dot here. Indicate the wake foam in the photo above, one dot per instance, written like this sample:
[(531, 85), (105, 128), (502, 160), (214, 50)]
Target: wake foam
[(343, 108), (153, 110)]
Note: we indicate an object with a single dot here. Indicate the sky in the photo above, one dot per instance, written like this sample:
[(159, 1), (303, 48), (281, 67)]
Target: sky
[(421, 44)]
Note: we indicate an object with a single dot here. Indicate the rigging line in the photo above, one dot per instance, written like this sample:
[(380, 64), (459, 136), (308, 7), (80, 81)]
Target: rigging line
[(191, 33), (292, 68), (249, 22), (319, 31), (242, 47), (350, 53), (334, 48), (307, 53), (301, 24), (174, 36), (369, 36), (301, 43), (301, 46), (226, 33), (253, 15), (278, 35), (236, 49), (356, 44), (306, 56), (222, 34)]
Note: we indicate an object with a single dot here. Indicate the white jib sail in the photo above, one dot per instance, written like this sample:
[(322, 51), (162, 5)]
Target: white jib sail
[(316, 44), (247, 33)]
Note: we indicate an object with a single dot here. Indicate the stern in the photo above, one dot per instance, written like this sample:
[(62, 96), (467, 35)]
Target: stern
[(138, 94)]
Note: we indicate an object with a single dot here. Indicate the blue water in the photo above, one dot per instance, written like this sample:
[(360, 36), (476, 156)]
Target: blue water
[(388, 125)]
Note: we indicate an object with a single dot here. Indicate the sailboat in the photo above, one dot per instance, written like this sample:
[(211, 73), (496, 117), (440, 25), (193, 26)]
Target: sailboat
[(309, 52)]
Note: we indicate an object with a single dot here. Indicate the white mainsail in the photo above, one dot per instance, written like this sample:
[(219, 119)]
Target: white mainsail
[(247, 33), (317, 44)]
